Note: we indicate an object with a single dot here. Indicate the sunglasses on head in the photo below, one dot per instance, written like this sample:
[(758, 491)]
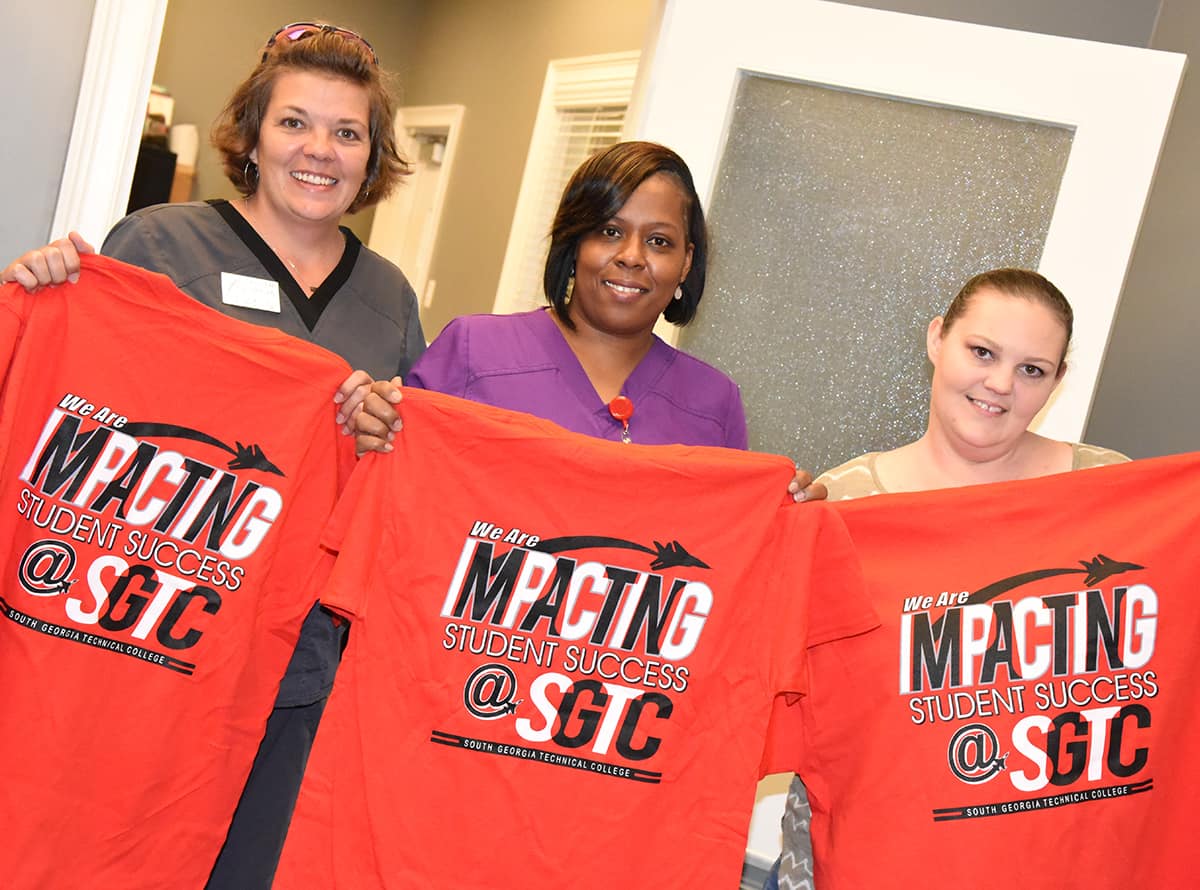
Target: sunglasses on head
[(299, 30)]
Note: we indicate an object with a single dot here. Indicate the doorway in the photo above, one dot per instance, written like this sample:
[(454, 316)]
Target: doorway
[(405, 226)]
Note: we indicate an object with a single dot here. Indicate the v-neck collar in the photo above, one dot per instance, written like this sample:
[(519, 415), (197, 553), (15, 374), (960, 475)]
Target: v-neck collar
[(308, 308), (639, 383)]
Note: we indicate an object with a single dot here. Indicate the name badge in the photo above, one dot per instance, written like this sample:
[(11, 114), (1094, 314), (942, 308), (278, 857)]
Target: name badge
[(249, 293)]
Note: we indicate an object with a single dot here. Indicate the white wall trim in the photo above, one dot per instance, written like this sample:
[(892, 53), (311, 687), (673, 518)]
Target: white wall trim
[(393, 214), (429, 118), (599, 79), (117, 71)]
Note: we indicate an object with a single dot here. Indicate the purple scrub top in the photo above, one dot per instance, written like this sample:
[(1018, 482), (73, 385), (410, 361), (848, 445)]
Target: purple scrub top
[(522, 362)]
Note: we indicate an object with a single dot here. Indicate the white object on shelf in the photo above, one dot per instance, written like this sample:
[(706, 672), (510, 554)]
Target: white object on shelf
[(184, 140)]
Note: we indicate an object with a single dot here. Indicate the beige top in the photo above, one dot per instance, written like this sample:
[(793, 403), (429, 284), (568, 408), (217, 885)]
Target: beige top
[(857, 478)]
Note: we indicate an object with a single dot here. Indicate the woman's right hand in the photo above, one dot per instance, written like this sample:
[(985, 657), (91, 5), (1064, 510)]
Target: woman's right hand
[(376, 425), (55, 263)]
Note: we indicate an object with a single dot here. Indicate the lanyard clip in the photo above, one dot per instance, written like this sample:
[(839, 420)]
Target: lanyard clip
[(621, 408)]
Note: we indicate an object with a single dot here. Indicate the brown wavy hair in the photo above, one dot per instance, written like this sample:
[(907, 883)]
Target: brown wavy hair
[(235, 132)]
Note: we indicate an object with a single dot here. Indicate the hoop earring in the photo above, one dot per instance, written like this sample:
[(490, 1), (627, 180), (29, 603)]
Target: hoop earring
[(250, 165), (679, 292)]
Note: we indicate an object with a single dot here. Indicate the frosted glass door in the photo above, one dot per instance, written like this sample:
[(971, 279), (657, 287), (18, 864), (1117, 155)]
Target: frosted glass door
[(866, 213), (859, 165)]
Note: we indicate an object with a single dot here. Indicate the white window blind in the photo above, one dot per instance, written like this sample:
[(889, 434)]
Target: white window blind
[(583, 110)]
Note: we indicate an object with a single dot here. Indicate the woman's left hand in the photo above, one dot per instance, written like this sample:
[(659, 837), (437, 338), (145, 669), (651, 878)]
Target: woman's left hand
[(349, 398), (55, 263), (802, 487), (379, 421)]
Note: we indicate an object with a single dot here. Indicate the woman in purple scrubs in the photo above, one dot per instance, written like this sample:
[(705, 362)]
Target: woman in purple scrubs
[(629, 244)]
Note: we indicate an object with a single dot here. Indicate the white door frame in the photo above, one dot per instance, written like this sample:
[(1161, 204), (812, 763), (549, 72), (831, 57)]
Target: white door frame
[(1118, 100), (117, 70), (412, 122)]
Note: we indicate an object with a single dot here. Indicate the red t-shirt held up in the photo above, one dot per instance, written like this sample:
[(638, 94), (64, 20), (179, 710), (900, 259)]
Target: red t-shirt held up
[(165, 473), (1029, 715), (565, 658)]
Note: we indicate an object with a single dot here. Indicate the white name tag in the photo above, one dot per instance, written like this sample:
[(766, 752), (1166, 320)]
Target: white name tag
[(249, 293)]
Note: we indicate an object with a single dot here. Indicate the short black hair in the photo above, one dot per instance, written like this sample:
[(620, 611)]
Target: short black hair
[(595, 194)]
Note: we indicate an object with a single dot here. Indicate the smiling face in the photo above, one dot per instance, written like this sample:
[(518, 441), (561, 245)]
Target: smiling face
[(626, 271), (312, 148), (994, 369)]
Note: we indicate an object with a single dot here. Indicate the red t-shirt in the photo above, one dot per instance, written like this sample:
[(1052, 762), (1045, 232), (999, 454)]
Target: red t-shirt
[(1029, 716), (565, 659), (164, 475)]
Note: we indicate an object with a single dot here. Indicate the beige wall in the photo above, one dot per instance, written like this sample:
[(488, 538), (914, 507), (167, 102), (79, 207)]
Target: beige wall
[(209, 46), (491, 57)]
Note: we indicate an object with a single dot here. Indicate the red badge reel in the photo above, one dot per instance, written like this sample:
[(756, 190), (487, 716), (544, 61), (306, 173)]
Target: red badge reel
[(622, 409)]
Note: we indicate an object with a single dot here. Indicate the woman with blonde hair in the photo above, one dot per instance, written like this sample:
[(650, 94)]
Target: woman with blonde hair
[(998, 353)]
